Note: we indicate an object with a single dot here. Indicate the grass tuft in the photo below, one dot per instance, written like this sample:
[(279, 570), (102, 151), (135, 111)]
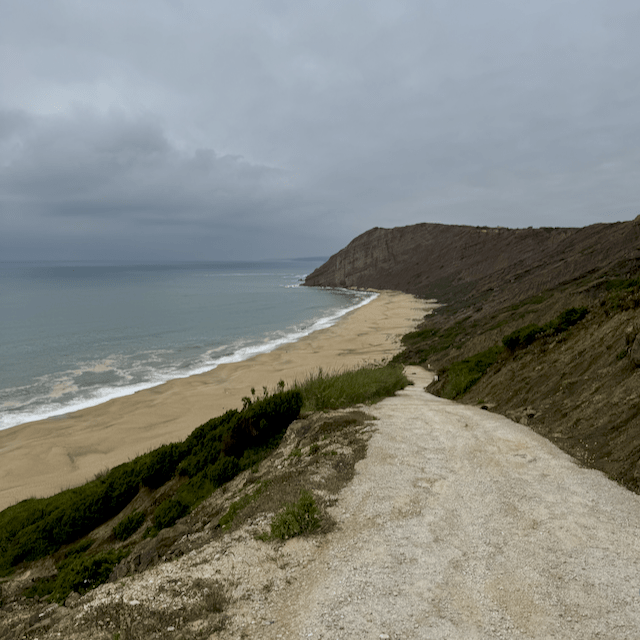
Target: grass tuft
[(324, 392), (297, 518)]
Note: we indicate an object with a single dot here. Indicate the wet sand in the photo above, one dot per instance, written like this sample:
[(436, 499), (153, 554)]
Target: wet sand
[(40, 458)]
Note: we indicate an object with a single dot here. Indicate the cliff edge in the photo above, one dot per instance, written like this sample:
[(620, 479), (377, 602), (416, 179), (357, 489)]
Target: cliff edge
[(462, 264)]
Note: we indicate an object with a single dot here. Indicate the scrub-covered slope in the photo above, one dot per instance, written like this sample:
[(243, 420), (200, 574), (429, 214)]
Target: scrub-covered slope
[(462, 264), (540, 325)]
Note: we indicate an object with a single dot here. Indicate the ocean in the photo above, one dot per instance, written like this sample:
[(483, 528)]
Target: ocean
[(75, 334)]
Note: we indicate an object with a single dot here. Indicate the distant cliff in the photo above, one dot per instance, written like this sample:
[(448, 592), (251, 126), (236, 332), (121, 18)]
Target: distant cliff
[(579, 387), (463, 263)]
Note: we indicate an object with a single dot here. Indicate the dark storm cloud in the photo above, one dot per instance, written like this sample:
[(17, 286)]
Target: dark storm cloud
[(83, 172), (264, 129), (85, 162)]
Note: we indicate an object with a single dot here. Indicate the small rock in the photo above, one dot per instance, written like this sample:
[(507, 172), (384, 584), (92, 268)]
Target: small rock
[(384, 636)]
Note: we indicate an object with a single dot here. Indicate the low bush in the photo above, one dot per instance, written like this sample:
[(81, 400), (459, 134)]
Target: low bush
[(238, 505), (527, 335), (212, 455), (522, 337), (297, 518), (462, 375), (622, 284), (128, 526), (77, 573), (168, 513), (82, 574), (35, 528), (564, 321), (423, 343)]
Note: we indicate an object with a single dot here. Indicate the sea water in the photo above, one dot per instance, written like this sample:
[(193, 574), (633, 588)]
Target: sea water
[(73, 335)]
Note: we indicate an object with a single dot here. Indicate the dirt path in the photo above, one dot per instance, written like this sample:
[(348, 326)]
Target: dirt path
[(463, 524)]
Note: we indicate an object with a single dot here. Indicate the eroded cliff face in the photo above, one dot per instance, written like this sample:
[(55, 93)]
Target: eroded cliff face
[(461, 263)]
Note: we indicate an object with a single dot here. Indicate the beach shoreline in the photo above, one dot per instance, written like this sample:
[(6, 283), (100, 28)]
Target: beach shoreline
[(43, 457)]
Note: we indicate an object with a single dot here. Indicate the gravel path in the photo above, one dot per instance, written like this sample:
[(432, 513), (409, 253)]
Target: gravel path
[(463, 524)]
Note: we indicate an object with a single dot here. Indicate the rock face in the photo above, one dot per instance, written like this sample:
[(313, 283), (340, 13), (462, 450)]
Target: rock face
[(458, 263)]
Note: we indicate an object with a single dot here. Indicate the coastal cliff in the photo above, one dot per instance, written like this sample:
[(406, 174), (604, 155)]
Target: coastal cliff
[(464, 264), (540, 325)]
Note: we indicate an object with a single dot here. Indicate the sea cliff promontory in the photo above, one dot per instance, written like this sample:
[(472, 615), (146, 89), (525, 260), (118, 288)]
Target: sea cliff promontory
[(461, 264), (540, 325)]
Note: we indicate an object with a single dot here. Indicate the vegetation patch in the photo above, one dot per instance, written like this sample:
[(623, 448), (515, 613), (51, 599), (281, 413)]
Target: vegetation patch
[(188, 472), (527, 335), (622, 295), (210, 456), (79, 573), (128, 526), (297, 518), (238, 505), (168, 513), (462, 375), (322, 392), (423, 343)]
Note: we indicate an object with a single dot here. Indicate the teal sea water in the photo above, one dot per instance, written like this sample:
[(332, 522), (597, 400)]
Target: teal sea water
[(73, 335)]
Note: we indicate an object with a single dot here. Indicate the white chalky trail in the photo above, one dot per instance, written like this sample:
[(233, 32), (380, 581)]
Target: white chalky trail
[(461, 523)]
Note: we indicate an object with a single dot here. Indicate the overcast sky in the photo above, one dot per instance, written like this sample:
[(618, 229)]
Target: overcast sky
[(202, 129)]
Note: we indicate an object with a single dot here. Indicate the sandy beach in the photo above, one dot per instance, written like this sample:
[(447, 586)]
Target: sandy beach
[(40, 458)]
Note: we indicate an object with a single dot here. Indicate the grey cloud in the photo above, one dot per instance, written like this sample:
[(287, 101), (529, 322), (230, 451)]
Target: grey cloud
[(88, 162), (306, 123)]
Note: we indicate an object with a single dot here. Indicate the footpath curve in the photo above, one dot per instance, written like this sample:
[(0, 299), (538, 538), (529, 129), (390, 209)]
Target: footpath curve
[(463, 524)]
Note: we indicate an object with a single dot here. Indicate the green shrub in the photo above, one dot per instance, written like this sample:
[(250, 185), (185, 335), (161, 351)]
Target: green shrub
[(462, 375), (527, 335), (82, 574), (238, 505), (77, 573), (522, 337), (620, 284), (423, 343), (159, 465), (565, 320), (168, 513), (297, 519), (262, 421), (129, 525), (225, 469), (204, 444), (35, 528)]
